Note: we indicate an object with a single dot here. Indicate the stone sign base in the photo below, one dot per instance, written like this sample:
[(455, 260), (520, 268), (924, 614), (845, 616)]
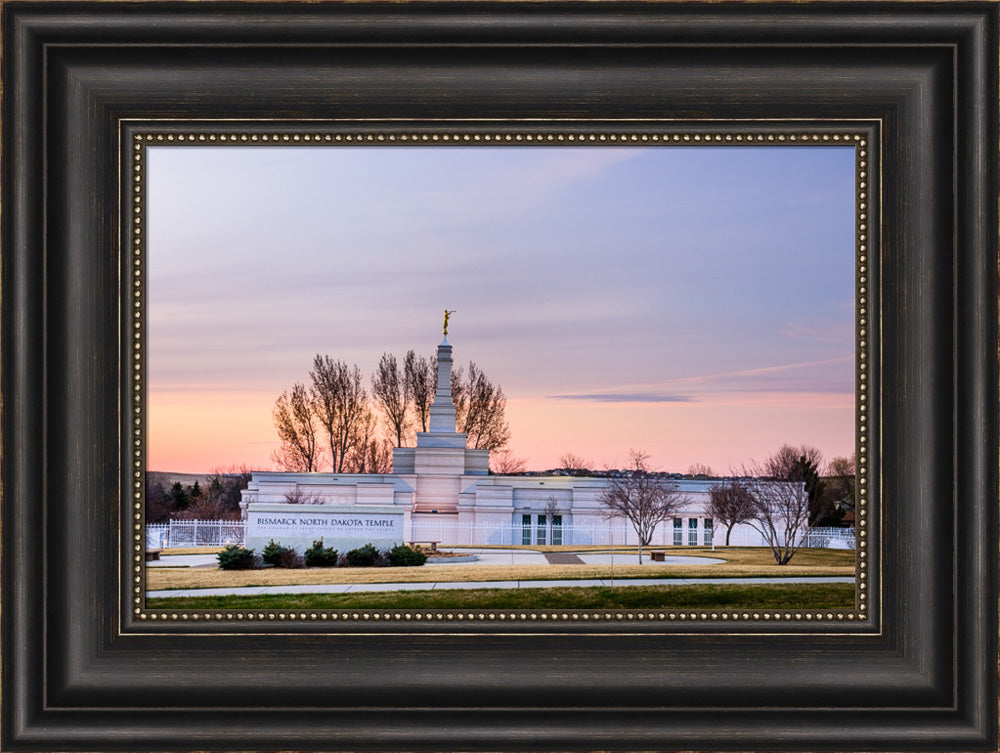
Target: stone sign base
[(343, 527)]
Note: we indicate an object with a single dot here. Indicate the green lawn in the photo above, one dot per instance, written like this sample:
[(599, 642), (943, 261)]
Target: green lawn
[(707, 596)]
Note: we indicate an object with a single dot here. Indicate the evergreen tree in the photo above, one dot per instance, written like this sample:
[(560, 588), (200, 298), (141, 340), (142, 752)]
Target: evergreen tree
[(215, 486), (179, 496), (807, 471)]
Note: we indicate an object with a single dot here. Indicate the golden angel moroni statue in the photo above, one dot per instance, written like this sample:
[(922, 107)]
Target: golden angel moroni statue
[(447, 314)]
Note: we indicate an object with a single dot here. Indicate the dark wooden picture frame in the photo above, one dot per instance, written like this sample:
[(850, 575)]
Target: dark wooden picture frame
[(80, 671)]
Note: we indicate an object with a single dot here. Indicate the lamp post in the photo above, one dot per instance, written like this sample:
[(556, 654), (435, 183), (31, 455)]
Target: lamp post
[(611, 535)]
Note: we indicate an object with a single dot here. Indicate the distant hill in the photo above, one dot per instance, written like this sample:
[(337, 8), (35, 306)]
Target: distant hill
[(168, 479)]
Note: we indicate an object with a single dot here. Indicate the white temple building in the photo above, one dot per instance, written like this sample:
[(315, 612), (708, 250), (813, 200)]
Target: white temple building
[(441, 491)]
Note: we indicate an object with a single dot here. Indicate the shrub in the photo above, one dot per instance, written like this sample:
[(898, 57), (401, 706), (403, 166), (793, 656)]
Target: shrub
[(364, 556), (281, 556), (320, 556), (273, 553), (289, 558), (237, 557), (404, 556)]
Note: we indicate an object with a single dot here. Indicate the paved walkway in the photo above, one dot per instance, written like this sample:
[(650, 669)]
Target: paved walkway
[(632, 558), (562, 558), (341, 588)]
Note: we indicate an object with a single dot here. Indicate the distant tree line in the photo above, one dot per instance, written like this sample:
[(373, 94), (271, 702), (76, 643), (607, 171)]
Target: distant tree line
[(780, 497), (336, 421), (218, 499)]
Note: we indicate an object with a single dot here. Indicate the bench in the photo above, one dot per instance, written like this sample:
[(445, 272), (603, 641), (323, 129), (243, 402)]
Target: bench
[(153, 554), (432, 545), (658, 555)]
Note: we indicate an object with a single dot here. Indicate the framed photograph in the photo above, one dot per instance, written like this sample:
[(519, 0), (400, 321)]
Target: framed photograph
[(733, 220), (680, 255)]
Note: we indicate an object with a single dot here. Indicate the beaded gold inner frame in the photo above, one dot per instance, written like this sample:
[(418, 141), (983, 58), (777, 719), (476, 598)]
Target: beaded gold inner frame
[(137, 136)]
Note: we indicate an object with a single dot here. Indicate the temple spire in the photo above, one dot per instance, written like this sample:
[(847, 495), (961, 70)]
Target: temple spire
[(443, 407)]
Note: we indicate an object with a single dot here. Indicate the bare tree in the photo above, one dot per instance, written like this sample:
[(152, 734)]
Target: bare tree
[(700, 469), (503, 461), (299, 497), (370, 454), (218, 500), (158, 507), (235, 469), (838, 495), (801, 464), (208, 507), (364, 435), (643, 498), (841, 466), (295, 421), (340, 404), (788, 460), (459, 394), (551, 512), (480, 408), (731, 503), (573, 462), (419, 376), (230, 481), (551, 507), (391, 389), (781, 510), (377, 457)]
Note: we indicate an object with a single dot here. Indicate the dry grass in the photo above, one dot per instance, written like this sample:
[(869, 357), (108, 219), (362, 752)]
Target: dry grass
[(192, 550), (740, 563), (762, 556)]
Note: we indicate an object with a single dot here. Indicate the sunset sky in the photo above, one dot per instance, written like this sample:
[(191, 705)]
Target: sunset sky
[(693, 302)]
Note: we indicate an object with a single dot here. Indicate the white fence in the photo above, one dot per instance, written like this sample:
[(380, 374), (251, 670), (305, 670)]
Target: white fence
[(616, 534), (829, 538), (517, 534), (179, 533)]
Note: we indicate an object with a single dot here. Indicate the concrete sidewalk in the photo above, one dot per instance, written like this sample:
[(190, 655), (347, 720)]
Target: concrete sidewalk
[(341, 588)]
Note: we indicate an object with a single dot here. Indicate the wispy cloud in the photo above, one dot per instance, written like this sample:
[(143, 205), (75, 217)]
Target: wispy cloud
[(625, 397), (761, 371), (825, 376)]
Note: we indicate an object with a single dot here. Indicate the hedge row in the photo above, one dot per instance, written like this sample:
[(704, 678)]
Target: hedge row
[(237, 557)]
